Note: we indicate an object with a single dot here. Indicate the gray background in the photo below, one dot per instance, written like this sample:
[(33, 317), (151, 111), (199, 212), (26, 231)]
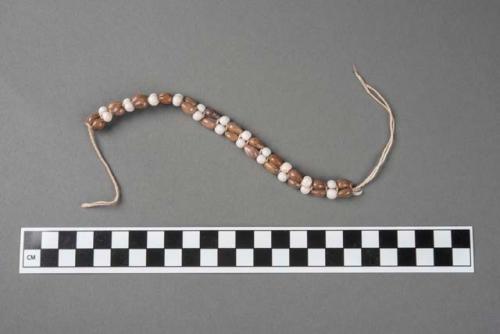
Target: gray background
[(282, 69)]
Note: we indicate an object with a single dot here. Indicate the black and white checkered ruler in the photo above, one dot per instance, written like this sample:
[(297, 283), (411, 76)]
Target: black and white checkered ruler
[(246, 250)]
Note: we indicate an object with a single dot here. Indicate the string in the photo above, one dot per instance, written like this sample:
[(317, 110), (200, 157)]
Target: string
[(108, 171), (375, 95)]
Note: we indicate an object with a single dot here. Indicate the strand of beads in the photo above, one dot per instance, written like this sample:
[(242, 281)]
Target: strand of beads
[(222, 125)]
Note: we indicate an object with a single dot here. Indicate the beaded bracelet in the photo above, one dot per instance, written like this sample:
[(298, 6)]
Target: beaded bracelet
[(253, 147)]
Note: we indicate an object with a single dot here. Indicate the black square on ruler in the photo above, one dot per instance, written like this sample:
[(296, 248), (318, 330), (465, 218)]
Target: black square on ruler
[(460, 239), (67, 239), (32, 240), (298, 257), (443, 257), (102, 239), (244, 239), (226, 257), (49, 257), (173, 239), (280, 239), (334, 257), (370, 257), (209, 239), (407, 257), (190, 257), (84, 258), (137, 239), (352, 239), (155, 257), (388, 239), (119, 257), (315, 239), (424, 238), (262, 257)]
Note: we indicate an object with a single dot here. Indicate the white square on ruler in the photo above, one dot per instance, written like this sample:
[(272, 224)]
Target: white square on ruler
[(316, 257), (102, 257), (425, 257), (334, 239), (281, 257), (208, 257), (369, 239), (84, 239), (388, 257), (406, 239), (442, 239), (119, 239), (244, 257), (191, 239), (352, 257), (156, 239), (32, 258), (50, 239), (262, 239), (227, 239), (66, 258), (298, 239), (137, 257), (173, 257), (461, 257)]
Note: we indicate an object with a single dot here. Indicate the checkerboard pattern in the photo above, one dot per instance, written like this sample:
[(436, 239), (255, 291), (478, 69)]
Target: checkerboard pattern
[(247, 250)]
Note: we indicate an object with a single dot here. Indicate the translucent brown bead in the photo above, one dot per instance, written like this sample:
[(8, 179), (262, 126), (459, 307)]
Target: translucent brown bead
[(209, 112), (92, 117), (319, 184), (209, 123), (140, 101), (234, 128), (343, 183), (231, 136), (344, 193), (250, 151), (116, 108), (295, 175), (318, 192), (188, 107), (98, 124), (165, 98), (256, 142), (190, 100), (275, 159), (293, 183), (344, 188), (271, 168)]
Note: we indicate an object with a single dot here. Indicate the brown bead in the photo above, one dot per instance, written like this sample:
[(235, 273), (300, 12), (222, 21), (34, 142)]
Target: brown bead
[(98, 124), (234, 128), (188, 107), (319, 184), (295, 175), (318, 192), (231, 136), (344, 193), (165, 98), (250, 151), (209, 112), (190, 100), (116, 108), (275, 159), (343, 183), (271, 168), (92, 117), (256, 142), (140, 101), (293, 183), (209, 123)]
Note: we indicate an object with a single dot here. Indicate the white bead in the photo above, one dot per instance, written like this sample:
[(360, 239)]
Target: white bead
[(107, 116), (285, 167), (305, 190), (307, 181), (128, 105), (223, 120), (102, 110), (331, 184), (240, 143), (331, 193), (261, 159), (153, 100), (282, 177), (246, 135), (177, 99), (198, 116), (201, 107), (220, 129), (266, 151)]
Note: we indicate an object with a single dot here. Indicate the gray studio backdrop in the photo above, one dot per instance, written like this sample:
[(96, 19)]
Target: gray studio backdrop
[(282, 69)]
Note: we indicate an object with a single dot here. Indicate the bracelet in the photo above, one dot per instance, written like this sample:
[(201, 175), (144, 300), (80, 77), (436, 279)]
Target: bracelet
[(253, 147)]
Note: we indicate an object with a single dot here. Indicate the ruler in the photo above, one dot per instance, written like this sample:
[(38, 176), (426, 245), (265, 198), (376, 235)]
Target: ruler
[(246, 250)]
